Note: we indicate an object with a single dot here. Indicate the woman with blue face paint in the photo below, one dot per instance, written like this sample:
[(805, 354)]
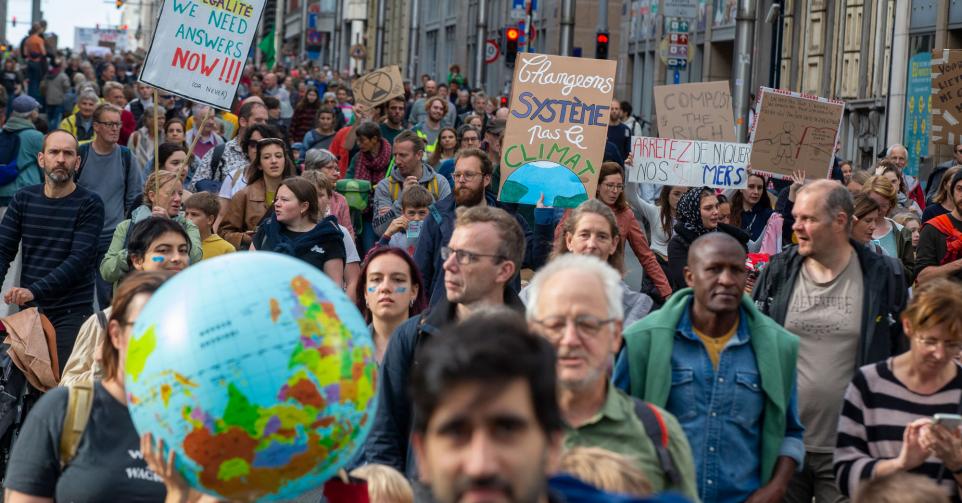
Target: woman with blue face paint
[(156, 244), (389, 292)]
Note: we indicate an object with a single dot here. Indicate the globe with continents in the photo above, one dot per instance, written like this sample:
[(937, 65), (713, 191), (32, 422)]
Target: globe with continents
[(257, 371), (560, 186)]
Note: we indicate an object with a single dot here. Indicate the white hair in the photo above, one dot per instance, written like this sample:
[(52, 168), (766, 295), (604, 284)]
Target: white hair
[(610, 281), (888, 151)]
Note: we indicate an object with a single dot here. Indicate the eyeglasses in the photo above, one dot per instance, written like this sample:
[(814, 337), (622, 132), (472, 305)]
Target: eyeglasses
[(617, 187), (465, 176), (950, 346), (586, 326), (465, 257), (111, 125)]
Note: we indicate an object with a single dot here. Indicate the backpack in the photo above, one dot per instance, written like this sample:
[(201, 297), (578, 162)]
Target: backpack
[(658, 434), (9, 150), (953, 238), (432, 187), (216, 171), (80, 400)]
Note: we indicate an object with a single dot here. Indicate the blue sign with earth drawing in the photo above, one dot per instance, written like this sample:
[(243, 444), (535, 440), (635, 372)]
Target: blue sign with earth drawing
[(918, 110), (557, 127)]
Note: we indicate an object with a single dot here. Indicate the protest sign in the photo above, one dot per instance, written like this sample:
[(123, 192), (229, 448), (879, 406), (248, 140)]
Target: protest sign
[(947, 98), (554, 142), (918, 116), (94, 40), (378, 86), (795, 131), (200, 47), (689, 163), (696, 111)]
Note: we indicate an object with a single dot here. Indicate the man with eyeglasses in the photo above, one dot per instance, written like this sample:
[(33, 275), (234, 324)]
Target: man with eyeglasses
[(726, 371), (575, 303), (843, 301), (483, 255), (472, 176), (935, 178), (110, 171)]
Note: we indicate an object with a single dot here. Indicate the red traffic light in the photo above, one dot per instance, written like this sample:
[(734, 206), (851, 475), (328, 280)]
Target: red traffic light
[(602, 38), (512, 33)]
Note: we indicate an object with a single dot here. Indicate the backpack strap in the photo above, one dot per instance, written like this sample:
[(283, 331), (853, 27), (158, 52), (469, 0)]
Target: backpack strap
[(433, 187), (126, 160), (658, 434), (102, 319), (80, 399), (395, 188), (84, 152)]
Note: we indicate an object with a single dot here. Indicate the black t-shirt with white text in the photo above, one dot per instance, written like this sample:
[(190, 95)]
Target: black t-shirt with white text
[(108, 465)]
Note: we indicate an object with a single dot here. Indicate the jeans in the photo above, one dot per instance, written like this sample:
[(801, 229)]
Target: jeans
[(67, 322), (35, 71), (815, 480), (54, 116)]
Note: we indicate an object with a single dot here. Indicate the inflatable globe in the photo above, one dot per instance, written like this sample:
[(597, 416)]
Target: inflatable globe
[(257, 371)]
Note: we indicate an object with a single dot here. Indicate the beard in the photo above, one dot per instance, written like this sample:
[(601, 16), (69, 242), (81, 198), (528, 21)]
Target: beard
[(466, 196), (59, 175)]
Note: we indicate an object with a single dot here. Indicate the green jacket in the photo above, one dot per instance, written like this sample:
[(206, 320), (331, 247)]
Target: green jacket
[(31, 142), (114, 265), (649, 345)]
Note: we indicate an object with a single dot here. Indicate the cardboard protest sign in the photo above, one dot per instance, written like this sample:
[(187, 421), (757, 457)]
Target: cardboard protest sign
[(554, 142), (689, 163), (378, 86), (696, 111), (200, 47), (795, 131), (947, 98)]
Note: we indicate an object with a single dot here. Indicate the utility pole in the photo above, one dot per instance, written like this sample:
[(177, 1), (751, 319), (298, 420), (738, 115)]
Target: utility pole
[(3, 16), (413, 43), (744, 42), (278, 31), (481, 43), (35, 14), (303, 48), (379, 35), (567, 26), (338, 28)]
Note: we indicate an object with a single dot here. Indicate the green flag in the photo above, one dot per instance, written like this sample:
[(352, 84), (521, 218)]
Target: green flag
[(267, 49)]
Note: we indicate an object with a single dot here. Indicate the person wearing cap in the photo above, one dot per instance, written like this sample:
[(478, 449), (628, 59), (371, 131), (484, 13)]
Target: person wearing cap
[(23, 111)]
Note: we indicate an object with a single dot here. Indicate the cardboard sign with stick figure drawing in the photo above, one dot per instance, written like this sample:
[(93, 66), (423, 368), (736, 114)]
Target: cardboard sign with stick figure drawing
[(795, 131)]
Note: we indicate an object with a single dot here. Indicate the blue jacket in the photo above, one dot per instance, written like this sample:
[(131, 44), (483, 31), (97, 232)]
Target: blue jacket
[(436, 232), (31, 142), (388, 443)]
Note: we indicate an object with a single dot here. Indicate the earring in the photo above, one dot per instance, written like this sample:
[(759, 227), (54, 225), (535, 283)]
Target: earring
[(412, 303)]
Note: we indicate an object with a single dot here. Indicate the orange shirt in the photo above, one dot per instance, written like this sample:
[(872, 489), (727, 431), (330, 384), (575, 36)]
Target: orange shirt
[(34, 46)]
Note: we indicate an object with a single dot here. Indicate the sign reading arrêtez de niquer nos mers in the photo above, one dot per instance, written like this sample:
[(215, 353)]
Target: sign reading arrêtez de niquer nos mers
[(554, 142), (200, 46)]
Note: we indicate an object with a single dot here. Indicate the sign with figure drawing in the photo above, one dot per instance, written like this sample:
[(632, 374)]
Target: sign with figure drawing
[(795, 131), (554, 142)]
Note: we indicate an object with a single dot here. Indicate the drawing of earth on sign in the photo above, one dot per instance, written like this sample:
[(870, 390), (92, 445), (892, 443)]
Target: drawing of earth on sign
[(560, 186)]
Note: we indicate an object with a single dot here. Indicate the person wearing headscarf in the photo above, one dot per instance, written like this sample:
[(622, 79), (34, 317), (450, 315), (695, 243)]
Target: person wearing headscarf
[(698, 215)]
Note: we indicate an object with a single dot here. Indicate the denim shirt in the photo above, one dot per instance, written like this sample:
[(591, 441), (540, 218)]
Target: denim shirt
[(721, 413)]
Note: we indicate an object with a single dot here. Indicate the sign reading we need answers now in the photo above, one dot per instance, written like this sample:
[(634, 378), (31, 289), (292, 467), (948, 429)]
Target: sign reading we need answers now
[(200, 47)]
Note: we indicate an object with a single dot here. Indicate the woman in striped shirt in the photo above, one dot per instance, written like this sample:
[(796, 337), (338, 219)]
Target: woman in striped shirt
[(886, 422)]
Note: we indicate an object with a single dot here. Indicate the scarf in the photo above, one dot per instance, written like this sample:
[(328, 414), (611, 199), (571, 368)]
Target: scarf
[(689, 211), (373, 168)]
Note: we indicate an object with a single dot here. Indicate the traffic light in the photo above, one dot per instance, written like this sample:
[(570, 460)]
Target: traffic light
[(511, 36), (601, 45)]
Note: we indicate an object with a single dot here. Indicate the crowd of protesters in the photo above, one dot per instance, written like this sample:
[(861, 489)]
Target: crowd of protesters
[(789, 341)]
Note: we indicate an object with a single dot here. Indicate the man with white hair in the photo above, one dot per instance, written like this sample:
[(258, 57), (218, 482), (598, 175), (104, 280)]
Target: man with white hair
[(575, 303)]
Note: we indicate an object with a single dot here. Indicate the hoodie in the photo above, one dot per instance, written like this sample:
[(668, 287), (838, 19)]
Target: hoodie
[(31, 142), (387, 194)]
